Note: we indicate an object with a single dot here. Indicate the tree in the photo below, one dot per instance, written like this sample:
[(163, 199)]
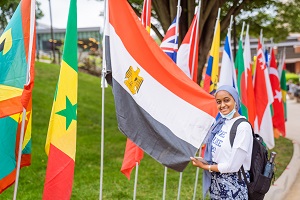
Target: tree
[(8, 7), (265, 15)]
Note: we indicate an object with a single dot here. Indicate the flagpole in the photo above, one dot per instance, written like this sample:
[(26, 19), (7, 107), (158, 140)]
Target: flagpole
[(179, 185), (52, 37), (196, 178), (102, 130), (218, 18), (103, 95), (197, 40), (279, 64), (246, 71), (192, 75), (20, 152), (282, 58), (165, 183), (247, 29), (242, 32), (177, 22), (229, 31), (271, 49), (230, 49), (32, 25), (176, 42), (196, 183), (261, 39), (230, 25), (135, 179)]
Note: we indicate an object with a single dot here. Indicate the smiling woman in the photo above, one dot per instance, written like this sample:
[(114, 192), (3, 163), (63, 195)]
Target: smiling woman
[(224, 161)]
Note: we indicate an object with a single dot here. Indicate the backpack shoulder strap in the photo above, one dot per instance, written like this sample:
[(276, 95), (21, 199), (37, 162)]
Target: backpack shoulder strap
[(234, 128), (232, 136)]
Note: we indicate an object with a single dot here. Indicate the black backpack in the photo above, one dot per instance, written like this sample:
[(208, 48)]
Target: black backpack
[(259, 184)]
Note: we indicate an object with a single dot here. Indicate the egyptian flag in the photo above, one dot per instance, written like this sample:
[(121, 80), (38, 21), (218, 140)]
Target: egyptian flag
[(61, 138), (158, 107), (17, 53)]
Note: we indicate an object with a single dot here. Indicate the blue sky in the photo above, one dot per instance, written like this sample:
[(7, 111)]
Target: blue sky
[(88, 13)]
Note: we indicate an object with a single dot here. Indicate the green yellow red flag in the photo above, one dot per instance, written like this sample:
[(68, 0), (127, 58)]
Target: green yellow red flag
[(61, 138)]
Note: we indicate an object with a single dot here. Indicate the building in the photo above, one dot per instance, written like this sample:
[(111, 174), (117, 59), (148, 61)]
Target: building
[(291, 46), (88, 40)]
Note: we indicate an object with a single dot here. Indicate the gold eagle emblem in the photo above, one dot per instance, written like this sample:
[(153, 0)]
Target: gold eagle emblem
[(133, 80)]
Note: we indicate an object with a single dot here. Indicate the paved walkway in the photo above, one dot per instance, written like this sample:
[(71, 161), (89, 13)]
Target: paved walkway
[(287, 186)]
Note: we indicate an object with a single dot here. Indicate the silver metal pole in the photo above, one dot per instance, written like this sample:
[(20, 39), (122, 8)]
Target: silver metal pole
[(177, 22), (241, 36), (165, 183), (196, 183), (102, 134), (179, 185), (52, 36), (196, 178), (103, 98), (135, 179), (20, 153)]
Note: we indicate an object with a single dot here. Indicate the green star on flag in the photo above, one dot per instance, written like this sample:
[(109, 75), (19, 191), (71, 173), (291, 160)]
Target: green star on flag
[(69, 112)]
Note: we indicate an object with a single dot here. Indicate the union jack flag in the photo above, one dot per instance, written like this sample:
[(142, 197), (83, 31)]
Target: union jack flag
[(169, 45)]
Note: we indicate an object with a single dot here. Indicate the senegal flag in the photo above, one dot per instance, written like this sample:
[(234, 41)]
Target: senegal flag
[(61, 139), (17, 53)]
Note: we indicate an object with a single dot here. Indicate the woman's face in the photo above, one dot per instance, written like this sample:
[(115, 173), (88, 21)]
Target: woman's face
[(225, 102)]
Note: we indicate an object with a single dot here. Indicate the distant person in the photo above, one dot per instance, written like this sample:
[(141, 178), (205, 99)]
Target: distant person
[(297, 92), (292, 89), (221, 172)]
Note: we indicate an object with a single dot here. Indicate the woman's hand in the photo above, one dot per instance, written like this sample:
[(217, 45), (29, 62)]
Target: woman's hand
[(198, 163)]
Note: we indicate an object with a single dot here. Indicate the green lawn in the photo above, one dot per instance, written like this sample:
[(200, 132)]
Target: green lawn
[(87, 168)]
